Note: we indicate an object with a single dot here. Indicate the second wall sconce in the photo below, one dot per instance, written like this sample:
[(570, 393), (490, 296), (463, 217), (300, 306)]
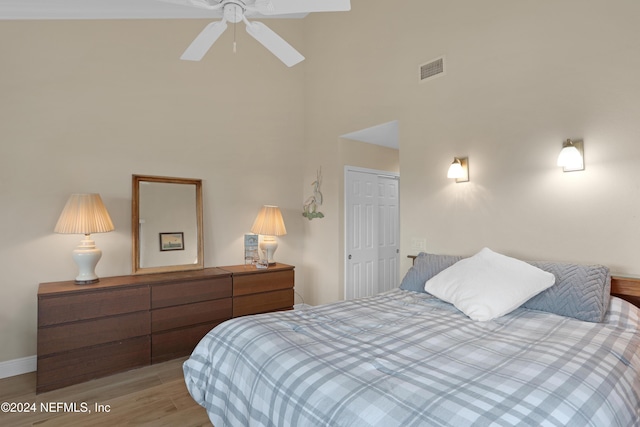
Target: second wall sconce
[(571, 157), (459, 169)]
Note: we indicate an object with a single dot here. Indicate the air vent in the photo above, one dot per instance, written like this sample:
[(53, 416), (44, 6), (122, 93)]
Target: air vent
[(432, 69)]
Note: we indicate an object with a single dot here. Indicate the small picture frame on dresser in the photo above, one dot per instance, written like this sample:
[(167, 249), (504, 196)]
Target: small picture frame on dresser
[(251, 254)]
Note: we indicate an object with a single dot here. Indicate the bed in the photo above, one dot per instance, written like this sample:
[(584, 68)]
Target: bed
[(568, 356)]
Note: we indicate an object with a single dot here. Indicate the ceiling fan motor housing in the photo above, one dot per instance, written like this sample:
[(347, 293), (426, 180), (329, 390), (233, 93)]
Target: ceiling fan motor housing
[(234, 10)]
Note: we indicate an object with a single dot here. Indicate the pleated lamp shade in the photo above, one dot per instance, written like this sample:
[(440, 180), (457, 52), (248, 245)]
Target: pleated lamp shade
[(85, 214), (269, 223)]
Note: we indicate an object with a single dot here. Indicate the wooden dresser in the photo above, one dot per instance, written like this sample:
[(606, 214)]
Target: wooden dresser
[(183, 311), (258, 290), (91, 331), (124, 322)]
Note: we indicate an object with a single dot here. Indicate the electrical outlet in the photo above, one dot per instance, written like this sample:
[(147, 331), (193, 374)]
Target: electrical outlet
[(418, 244)]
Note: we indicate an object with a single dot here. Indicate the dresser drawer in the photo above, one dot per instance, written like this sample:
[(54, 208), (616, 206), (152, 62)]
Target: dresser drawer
[(186, 315), (178, 343), (166, 295), (92, 362), (263, 302), (263, 282), (55, 339), (53, 310)]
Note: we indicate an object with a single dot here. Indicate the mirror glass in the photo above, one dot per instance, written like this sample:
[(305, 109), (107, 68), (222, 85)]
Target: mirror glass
[(166, 224)]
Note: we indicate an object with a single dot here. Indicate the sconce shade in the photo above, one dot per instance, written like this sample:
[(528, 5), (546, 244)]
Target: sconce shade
[(84, 214), (269, 222), (455, 170), (459, 169), (571, 157)]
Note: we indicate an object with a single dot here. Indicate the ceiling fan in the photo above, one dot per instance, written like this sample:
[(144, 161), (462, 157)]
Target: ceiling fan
[(234, 11)]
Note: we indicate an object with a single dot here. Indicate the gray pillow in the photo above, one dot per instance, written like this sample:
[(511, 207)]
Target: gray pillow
[(580, 291), (425, 266)]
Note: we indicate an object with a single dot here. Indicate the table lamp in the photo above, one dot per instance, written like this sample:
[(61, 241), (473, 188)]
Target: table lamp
[(269, 223), (85, 214)]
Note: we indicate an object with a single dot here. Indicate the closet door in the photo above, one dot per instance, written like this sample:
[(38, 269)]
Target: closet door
[(371, 232)]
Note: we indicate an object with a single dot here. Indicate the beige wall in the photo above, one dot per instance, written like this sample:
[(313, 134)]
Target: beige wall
[(86, 104), (364, 155), (521, 77)]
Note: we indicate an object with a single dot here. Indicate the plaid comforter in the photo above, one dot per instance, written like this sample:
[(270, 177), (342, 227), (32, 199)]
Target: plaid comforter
[(407, 359)]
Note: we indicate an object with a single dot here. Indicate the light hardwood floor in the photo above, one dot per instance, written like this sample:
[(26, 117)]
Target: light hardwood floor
[(150, 396)]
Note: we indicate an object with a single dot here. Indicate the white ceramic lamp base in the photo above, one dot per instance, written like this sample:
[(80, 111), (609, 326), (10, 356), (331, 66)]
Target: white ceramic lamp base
[(86, 256), (268, 246)]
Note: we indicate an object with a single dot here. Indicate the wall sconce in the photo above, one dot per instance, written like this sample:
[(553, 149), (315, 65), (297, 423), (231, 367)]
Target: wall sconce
[(571, 157), (459, 169)]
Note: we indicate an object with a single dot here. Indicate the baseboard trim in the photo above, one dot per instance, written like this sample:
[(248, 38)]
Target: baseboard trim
[(14, 367)]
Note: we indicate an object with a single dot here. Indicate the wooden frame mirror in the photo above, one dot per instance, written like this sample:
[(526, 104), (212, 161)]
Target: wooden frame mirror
[(166, 224)]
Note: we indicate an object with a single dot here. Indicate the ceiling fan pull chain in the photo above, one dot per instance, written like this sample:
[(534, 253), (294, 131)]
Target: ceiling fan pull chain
[(235, 24), (234, 37)]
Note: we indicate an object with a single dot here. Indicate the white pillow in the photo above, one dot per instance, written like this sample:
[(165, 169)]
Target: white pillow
[(488, 285)]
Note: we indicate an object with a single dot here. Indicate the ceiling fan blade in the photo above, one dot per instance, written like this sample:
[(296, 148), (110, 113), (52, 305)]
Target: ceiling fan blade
[(207, 37), (278, 7), (276, 44), (202, 4)]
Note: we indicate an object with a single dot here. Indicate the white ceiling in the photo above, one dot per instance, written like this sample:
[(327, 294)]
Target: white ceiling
[(385, 134), (101, 9), (96, 9)]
